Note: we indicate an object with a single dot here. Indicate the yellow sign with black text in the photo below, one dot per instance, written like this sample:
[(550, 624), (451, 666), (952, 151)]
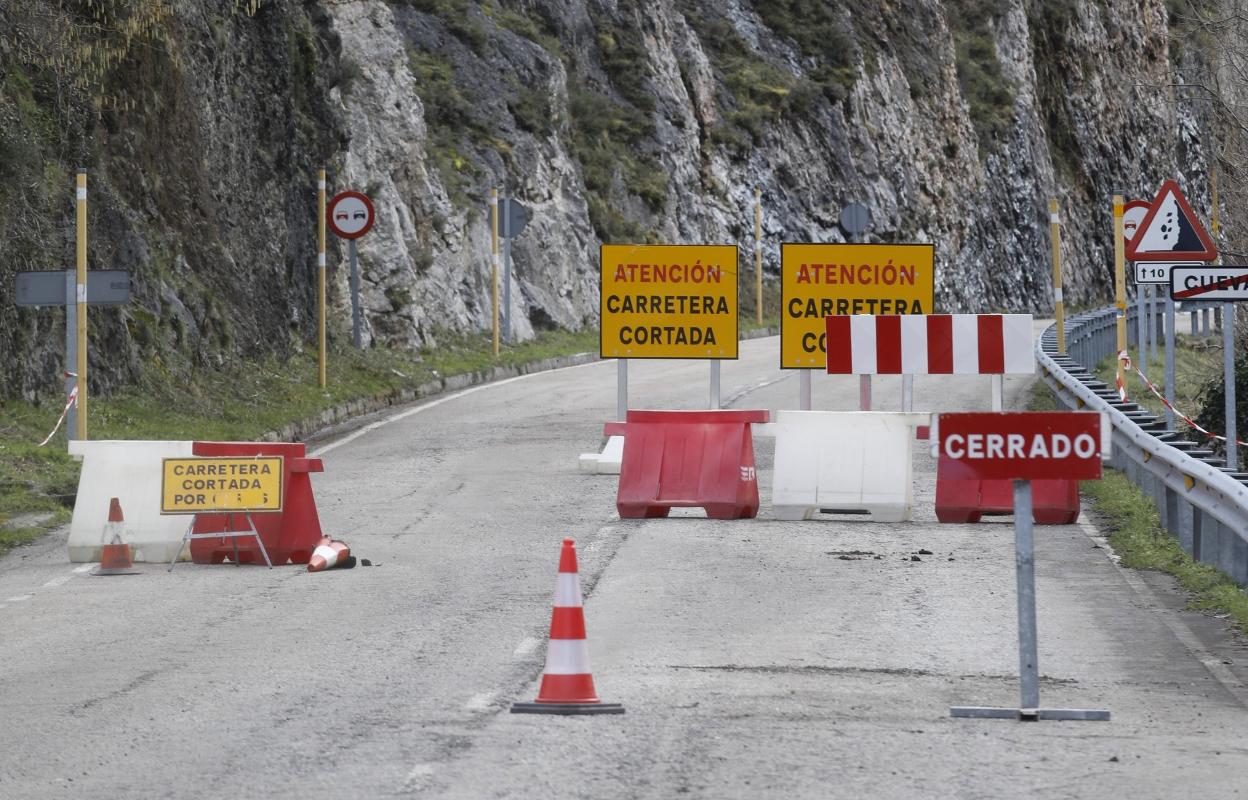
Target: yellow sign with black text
[(669, 301), (215, 485), (824, 280)]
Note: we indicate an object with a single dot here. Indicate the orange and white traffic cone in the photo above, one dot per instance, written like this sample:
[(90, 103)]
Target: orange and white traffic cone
[(115, 558), (567, 683), (329, 554)]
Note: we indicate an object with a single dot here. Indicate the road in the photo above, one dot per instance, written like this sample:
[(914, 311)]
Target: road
[(755, 658)]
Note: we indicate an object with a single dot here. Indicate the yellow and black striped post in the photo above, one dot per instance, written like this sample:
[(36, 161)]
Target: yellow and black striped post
[(81, 305), (1055, 237), (322, 376), (758, 254), (1120, 288), (494, 261)]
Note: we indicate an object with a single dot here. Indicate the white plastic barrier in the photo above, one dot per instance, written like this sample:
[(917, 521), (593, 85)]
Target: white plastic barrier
[(129, 471), (608, 461), (851, 461)]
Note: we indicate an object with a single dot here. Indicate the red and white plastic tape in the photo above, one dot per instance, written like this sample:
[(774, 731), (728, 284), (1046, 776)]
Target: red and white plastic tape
[(1126, 362), (70, 402)]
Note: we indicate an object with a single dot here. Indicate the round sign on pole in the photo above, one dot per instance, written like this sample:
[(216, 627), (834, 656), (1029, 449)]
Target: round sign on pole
[(855, 218), (350, 215), (1133, 214)]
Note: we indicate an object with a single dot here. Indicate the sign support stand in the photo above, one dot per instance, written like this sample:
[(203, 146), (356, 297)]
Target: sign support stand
[(1228, 372), (621, 389), (234, 535), (1028, 660), (907, 392), (714, 384), (355, 294), (803, 389), (1153, 319), (998, 392), (1169, 361), (1141, 328), (864, 392)]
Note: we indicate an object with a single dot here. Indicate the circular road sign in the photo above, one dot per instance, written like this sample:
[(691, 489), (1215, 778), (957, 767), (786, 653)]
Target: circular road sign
[(855, 218), (1133, 214), (350, 215)]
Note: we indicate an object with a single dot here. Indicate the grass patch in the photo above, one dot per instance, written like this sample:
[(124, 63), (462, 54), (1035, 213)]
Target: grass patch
[(239, 402), (988, 94), (1137, 537)]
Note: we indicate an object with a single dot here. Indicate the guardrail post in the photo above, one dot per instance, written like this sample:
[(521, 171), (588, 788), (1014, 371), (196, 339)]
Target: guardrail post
[(1188, 521), (1198, 533), (1226, 550)]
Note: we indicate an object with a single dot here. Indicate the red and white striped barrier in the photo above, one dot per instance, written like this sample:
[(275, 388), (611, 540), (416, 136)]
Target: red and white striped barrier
[(930, 344)]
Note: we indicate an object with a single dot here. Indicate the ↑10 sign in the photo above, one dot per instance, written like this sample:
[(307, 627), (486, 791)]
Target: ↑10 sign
[(669, 301), (1159, 271), (1022, 445), (205, 485)]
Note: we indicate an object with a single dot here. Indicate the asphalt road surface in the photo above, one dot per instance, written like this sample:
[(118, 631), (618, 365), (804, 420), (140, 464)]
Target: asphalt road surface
[(755, 658)]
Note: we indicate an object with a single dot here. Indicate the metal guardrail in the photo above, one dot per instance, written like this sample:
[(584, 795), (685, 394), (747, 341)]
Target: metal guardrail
[(1201, 503)]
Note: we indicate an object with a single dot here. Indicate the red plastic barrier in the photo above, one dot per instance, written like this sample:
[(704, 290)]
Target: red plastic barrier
[(1054, 502), (290, 535), (688, 459)]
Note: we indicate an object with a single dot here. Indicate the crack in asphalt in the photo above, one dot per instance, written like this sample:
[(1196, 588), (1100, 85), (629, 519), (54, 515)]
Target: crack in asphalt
[(780, 669)]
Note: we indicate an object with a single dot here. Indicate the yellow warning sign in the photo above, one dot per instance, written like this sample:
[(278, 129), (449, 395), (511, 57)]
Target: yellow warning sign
[(207, 485), (669, 301), (824, 280)]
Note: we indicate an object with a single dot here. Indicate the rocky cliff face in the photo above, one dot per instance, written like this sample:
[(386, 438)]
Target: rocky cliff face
[(613, 120)]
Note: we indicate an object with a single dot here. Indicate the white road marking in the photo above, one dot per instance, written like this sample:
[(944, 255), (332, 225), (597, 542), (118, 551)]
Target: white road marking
[(18, 598), (58, 581), (1221, 673), (526, 646), (480, 702), (320, 451), (84, 568)]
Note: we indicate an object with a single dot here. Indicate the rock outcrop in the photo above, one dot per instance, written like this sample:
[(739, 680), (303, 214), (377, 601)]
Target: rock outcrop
[(612, 120)]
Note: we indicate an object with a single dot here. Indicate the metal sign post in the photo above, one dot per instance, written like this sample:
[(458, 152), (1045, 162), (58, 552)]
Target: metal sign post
[(1170, 376), (803, 389), (514, 218), (621, 389), (355, 294), (351, 215), (715, 385), (1023, 446), (1228, 372), (80, 296)]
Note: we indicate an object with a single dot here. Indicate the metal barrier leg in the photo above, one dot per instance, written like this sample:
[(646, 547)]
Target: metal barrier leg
[(1198, 533)]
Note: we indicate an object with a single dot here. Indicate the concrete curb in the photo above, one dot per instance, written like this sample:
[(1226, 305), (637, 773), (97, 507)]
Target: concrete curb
[(311, 427)]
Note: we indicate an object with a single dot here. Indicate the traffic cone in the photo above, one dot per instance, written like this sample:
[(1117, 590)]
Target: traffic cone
[(567, 684), (115, 558), (329, 554)]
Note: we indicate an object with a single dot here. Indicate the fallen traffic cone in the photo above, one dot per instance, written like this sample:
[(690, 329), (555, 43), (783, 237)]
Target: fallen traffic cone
[(329, 554), (115, 558), (567, 684)]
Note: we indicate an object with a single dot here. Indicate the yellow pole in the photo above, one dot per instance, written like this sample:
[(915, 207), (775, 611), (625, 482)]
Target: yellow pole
[(1055, 237), (758, 254), (82, 303), (494, 260), (1120, 286), (322, 379)]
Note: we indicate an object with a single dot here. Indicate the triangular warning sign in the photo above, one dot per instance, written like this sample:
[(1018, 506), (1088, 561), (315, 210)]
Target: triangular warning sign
[(1170, 231)]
